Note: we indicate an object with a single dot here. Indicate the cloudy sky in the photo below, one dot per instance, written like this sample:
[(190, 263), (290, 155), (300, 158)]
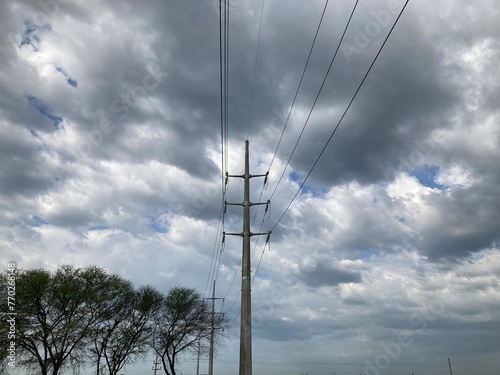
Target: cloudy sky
[(388, 259)]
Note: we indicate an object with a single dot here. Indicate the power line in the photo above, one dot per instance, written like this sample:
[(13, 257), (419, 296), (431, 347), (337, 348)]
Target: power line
[(295, 97), (213, 262), (343, 115), (222, 75), (224, 130), (226, 65), (260, 260), (255, 69), (288, 118), (239, 265), (293, 103), (224, 85), (300, 84), (317, 96), (226, 122)]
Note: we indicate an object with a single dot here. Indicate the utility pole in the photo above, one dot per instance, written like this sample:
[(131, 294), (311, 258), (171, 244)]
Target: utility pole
[(198, 361), (212, 334), (155, 365), (246, 302), (449, 364)]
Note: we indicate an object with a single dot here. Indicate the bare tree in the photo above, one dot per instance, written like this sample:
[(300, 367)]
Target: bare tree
[(83, 315), (62, 316), (55, 315), (182, 325), (125, 333)]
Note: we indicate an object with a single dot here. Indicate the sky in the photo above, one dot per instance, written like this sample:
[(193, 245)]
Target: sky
[(388, 259)]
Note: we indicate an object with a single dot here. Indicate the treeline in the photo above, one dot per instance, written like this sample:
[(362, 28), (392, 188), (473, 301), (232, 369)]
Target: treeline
[(76, 317)]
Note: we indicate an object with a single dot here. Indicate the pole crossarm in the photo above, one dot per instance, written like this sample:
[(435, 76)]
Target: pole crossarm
[(249, 204), (241, 234), (249, 176)]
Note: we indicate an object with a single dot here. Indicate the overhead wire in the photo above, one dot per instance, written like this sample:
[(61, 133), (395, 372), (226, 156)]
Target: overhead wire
[(300, 84), (344, 113), (224, 130), (336, 127), (255, 69), (226, 113), (251, 108), (317, 96), (226, 78), (222, 115), (216, 246), (286, 121), (226, 123), (289, 113), (260, 261)]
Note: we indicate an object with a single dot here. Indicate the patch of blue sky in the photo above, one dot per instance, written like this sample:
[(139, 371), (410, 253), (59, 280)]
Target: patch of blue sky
[(71, 81), (294, 176), (43, 109), (235, 220), (406, 247), (59, 181), (366, 255), (426, 176), (29, 35), (158, 222), (478, 256), (306, 189), (263, 275), (158, 227), (37, 221)]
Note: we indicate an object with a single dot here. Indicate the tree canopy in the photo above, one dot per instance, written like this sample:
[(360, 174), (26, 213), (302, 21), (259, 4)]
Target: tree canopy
[(183, 323), (76, 317)]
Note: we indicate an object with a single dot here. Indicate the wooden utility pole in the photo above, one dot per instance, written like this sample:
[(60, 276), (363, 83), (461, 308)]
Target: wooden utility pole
[(449, 364), (246, 302)]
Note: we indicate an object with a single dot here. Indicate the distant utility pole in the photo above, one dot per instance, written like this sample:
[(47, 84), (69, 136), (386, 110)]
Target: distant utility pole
[(198, 361), (212, 334), (246, 303), (155, 365), (449, 364)]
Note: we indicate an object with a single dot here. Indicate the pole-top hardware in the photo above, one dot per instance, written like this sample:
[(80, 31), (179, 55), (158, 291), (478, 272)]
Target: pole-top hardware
[(267, 205), (265, 179), (268, 238)]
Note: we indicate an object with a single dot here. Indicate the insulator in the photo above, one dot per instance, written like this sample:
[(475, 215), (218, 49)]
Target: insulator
[(227, 177), (268, 238), (265, 178), (223, 237), (267, 205), (225, 206)]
